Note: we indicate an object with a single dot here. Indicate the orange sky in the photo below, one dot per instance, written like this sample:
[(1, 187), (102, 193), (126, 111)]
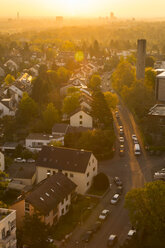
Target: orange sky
[(83, 8)]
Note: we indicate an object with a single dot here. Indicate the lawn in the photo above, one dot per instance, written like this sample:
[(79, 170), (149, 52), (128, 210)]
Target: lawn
[(79, 211)]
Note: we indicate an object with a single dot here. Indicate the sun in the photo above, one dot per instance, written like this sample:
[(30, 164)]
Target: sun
[(77, 7)]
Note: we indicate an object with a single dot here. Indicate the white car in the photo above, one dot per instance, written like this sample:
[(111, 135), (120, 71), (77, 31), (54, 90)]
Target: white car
[(115, 199), (20, 160), (131, 233), (104, 214), (30, 160), (121, 139)]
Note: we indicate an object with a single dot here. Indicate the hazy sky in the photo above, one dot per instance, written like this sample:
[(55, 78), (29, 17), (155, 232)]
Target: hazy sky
[(86, 8)]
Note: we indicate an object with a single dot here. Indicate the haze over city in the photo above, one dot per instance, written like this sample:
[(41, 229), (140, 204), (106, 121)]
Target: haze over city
[(83, 8)]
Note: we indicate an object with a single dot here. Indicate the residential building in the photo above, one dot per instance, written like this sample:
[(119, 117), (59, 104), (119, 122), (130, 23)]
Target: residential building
[(2, 161), (160, 87), (35, 141), (81, 118), (8, 228), (22, 176), (60, 129), (52, 198), (78, 165), (6, 107)]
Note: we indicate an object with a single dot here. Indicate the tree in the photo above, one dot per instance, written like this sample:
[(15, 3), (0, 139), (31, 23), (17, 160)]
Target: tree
[(27, 109), (124, 75), (150, 60), (35, 233), (50, 117), (100, 110), (150, 77), (95, 82), (3, 187), (100, 181), (112, 99), (146, 211), (9, 79), (71, 103)]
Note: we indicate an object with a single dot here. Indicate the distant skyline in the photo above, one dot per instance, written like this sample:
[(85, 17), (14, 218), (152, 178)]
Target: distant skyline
[(83, 8)]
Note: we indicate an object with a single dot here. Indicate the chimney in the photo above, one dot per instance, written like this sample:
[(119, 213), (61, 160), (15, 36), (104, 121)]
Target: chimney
[(141, 56)]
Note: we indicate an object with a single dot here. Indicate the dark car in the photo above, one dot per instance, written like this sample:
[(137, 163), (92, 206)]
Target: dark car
[(118, 181), (112, 240), (87, 236), (96, 226)]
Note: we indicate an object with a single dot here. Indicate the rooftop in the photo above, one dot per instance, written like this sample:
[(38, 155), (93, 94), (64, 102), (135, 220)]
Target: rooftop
[(41, 136), (161, 75), (5, 212), (64, 159), (22, 170), (157, 110)]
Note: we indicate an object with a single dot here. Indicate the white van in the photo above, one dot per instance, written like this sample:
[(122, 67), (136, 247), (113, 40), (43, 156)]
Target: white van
[(137, 149)]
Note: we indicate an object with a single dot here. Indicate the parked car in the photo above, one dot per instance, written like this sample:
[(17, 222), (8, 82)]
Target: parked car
[(115, 199), (119, 190), (30, 160), (87, 236), (117, 114), (121, 139), (96, 226), (121, 151), (20, 160), (104, 214), (112, 240), (131, 234), (117, 181)]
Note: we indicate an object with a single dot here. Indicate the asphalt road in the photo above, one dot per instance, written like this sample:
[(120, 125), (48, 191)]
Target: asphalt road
[(133, 171)]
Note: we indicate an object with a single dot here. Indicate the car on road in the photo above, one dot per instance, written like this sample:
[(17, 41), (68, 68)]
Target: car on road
[(134, 138), (121, 150), (121, 139), (104, 214), (117, 181), (20, 160), (87, 236), (131, 234), (112, 240), (96, 226), (117, 114), (115, 199), (119, 190), (137, 150), (30, 160)]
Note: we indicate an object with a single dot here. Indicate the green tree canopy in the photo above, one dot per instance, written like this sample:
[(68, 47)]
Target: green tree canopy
[(146, 209), (50, 117), (95, 82), (9, 79), (124, 75), (71, 103), (101, 181), (150, 77), (27, 109), (112, 99)]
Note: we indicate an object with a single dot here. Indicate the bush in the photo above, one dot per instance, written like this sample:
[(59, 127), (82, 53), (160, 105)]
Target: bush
[(101, 182)]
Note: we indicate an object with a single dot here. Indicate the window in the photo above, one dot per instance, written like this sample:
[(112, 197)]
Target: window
[(71, 175), (94, 169), (88, 174), (87, 183), (66, 174), (54, 172), (62, 211), (80, 122), (27, 207), (80, 116), (67, 207)]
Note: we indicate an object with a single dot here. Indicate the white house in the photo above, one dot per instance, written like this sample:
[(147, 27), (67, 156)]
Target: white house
[(8, 228), (78, 165), (81, 118), (51, 198), (35, 141), (6, 107), (2, 162)]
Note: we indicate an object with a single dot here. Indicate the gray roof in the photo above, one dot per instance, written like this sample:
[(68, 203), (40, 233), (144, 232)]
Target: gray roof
[(22, 170), (50, 192), (81, 108), (64, 159), (41, 136), (157, 110), (72, 129), (161, 75), (60, 128)]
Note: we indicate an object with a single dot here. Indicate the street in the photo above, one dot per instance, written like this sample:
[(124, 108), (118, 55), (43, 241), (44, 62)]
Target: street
[(133, 171)]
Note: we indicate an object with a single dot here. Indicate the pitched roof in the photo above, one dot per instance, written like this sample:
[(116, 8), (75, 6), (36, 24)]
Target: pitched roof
[(81, 108), (64, 159), (22, 170), (50, 192), (72, 129), (60, 128)]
